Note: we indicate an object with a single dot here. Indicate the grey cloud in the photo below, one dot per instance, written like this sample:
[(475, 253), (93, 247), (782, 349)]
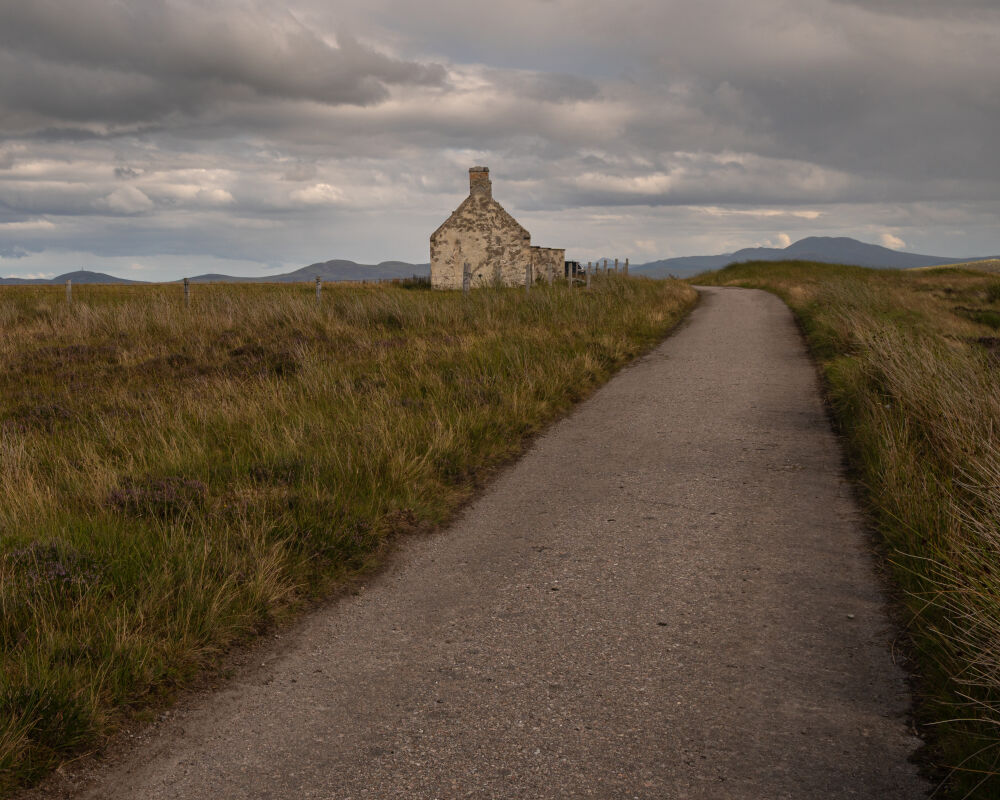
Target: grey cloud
[(114, 237), (109, 62), (43, 92), (300, 172), (928, 8), (546, 87), (897, 95), (126, 201), (19, 125), (61, 200), (244, 126)]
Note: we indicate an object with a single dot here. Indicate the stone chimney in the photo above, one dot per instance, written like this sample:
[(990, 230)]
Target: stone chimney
[(479, 181)]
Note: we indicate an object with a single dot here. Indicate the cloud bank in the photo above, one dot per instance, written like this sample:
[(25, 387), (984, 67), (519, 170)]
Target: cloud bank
[(254, 136)]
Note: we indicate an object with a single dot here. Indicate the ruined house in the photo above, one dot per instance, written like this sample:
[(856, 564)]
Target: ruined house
[(496, 247)]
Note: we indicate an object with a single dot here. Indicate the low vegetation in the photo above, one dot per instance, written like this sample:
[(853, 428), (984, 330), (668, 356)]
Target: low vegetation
[(984, 265), (175, 480), (911, 363)]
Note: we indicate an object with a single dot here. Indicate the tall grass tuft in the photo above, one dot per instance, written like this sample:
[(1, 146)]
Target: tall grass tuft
[(911, 366), (174, 480)]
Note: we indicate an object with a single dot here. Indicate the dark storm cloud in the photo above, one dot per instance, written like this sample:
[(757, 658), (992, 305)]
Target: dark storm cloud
[(901, 96), (872, 87), (118, 63), (906, 128)]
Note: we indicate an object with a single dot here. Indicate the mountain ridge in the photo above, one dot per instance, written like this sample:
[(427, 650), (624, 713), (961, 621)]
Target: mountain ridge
[(337, 269), (77, 276), (825, 249)]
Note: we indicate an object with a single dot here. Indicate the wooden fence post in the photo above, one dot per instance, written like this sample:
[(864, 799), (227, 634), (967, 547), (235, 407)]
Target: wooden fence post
[(187, 293), (466, 278), (616, 266), (588, 274), (69, 291), (626, 267), (319, 290)]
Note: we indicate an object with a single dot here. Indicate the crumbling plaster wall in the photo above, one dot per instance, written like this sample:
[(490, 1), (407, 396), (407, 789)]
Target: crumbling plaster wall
[(549, 263), (483, 234)]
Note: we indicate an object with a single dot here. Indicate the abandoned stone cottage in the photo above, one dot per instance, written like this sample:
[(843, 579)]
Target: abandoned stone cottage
[(496, 247)]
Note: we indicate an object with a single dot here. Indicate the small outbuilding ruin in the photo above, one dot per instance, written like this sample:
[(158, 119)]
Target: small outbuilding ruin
[(495, 246)]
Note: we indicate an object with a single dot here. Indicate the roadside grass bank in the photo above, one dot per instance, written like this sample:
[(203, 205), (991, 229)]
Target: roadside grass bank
[(911, 361), (174, 481)]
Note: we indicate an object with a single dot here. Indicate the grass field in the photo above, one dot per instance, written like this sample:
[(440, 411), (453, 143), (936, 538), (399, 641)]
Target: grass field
[(911, 363), (176, 480), (986, 265)]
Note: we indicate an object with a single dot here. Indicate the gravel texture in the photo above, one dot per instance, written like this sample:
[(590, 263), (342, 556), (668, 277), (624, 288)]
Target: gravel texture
[(670, 596)]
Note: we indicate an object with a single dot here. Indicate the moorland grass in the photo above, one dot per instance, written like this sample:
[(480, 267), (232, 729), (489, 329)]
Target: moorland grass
[(174, 480), (911, 362)]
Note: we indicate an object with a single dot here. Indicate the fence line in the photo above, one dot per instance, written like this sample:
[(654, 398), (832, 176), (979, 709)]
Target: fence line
[(574, 271)]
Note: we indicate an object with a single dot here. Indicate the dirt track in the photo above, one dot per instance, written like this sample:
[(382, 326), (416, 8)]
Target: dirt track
[(670, 596)]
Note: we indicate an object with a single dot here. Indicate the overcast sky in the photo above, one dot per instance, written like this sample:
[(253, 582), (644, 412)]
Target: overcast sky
[(159, 138)]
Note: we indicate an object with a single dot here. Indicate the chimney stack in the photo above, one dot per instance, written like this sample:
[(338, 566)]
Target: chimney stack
[(479, 181)]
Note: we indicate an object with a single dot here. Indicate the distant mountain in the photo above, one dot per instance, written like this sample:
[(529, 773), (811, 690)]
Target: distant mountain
[(826, 249), (80, 276), (831, 250), (336, 270)]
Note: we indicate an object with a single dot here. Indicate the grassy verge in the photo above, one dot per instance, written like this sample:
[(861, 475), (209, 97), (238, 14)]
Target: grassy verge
[(911, 362), (173, 481)]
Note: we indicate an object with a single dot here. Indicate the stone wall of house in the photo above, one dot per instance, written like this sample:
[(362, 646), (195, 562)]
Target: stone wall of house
[(549, 263), (483, 234)]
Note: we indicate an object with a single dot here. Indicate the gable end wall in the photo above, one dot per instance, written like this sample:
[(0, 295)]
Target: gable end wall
[(483, 234)]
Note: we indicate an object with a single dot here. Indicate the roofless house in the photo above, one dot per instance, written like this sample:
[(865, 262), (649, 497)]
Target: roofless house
[(496, 247)]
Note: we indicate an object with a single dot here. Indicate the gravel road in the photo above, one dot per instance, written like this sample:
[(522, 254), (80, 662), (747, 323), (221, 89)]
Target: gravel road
[(671, 595)]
